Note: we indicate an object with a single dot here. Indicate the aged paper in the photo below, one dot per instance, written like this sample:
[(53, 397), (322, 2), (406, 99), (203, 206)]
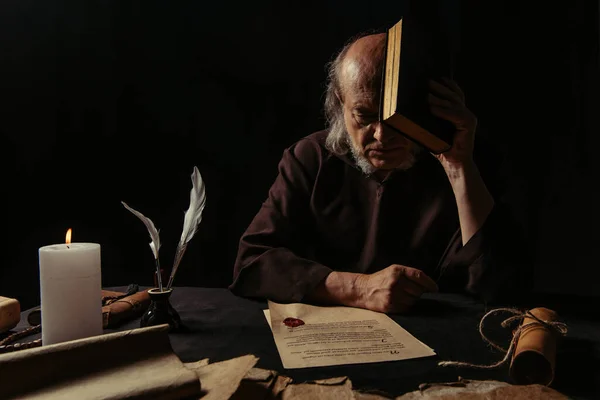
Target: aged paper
[(482, 390), (337, 388), (134, 364), (220, 380), (311, 336)]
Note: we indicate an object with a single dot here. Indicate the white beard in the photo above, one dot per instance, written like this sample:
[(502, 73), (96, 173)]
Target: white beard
[(367, 168), (361, 161)]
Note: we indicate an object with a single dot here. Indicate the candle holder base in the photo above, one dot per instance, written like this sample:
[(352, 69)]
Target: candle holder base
[(161, 311)]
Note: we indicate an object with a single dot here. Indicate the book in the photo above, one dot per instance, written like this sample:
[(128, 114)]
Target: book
[(421, 46)]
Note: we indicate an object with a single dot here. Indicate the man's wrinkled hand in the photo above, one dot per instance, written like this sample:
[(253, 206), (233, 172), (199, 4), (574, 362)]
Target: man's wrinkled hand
[(395, 289), (447, 101)]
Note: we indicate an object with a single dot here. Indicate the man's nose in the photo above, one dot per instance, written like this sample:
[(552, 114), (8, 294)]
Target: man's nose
[(382, 133)]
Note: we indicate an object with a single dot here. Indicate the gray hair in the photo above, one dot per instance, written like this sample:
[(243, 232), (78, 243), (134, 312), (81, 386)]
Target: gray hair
[(337, 140)]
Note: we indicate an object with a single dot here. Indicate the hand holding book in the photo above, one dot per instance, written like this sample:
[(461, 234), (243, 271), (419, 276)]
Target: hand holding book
[(422, 46), (447, 101)]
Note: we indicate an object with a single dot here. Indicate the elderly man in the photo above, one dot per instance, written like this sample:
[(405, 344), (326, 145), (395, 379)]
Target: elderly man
[(361, 216)]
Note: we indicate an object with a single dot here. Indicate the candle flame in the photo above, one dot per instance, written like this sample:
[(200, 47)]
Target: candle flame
[(68, 237)]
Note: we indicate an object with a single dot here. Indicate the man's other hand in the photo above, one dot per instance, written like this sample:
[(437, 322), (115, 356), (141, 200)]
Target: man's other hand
[(394, 289), (447, 101)]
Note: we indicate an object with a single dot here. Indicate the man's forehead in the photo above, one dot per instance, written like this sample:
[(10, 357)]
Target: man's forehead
[(352, 70), (358, 85), (360, 75), (364, 100), (361, 92)]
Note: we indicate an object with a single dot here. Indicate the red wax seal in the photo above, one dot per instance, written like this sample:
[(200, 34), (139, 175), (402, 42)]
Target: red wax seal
[(293, 322)]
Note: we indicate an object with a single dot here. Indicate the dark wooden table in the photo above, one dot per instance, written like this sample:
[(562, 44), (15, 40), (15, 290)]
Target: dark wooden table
[(222, 326)]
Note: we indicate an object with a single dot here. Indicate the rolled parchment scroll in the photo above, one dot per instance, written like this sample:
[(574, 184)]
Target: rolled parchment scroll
[(535, 353), (125, 309)]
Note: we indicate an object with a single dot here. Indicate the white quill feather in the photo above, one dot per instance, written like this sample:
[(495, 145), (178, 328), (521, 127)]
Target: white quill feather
[(155, 243), (191, 220), (155, 240)]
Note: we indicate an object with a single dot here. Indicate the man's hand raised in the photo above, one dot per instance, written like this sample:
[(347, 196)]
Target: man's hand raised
[(394, 289)]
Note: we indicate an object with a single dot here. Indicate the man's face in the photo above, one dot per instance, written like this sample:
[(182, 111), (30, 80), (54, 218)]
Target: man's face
[(383, 148)]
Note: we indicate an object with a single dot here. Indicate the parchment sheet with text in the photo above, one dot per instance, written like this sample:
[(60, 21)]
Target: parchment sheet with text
[(339, 335)]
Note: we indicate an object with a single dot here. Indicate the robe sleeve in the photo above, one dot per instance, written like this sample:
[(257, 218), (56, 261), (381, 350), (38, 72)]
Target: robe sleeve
[(273, 258), (496, 264)]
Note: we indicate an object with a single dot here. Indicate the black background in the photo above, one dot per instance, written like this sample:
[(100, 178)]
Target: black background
[(104, 101)]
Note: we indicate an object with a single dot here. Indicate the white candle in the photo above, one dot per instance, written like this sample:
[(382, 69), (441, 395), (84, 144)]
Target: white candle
[(71, 291)]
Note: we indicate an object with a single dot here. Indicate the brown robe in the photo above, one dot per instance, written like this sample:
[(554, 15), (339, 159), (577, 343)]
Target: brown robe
[(324, 214)]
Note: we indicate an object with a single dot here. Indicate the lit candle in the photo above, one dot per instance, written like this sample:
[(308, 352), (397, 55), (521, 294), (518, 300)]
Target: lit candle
[(70, 289)]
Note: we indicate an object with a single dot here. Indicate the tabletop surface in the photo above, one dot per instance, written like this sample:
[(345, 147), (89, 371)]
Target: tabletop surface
[(222, 326)]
